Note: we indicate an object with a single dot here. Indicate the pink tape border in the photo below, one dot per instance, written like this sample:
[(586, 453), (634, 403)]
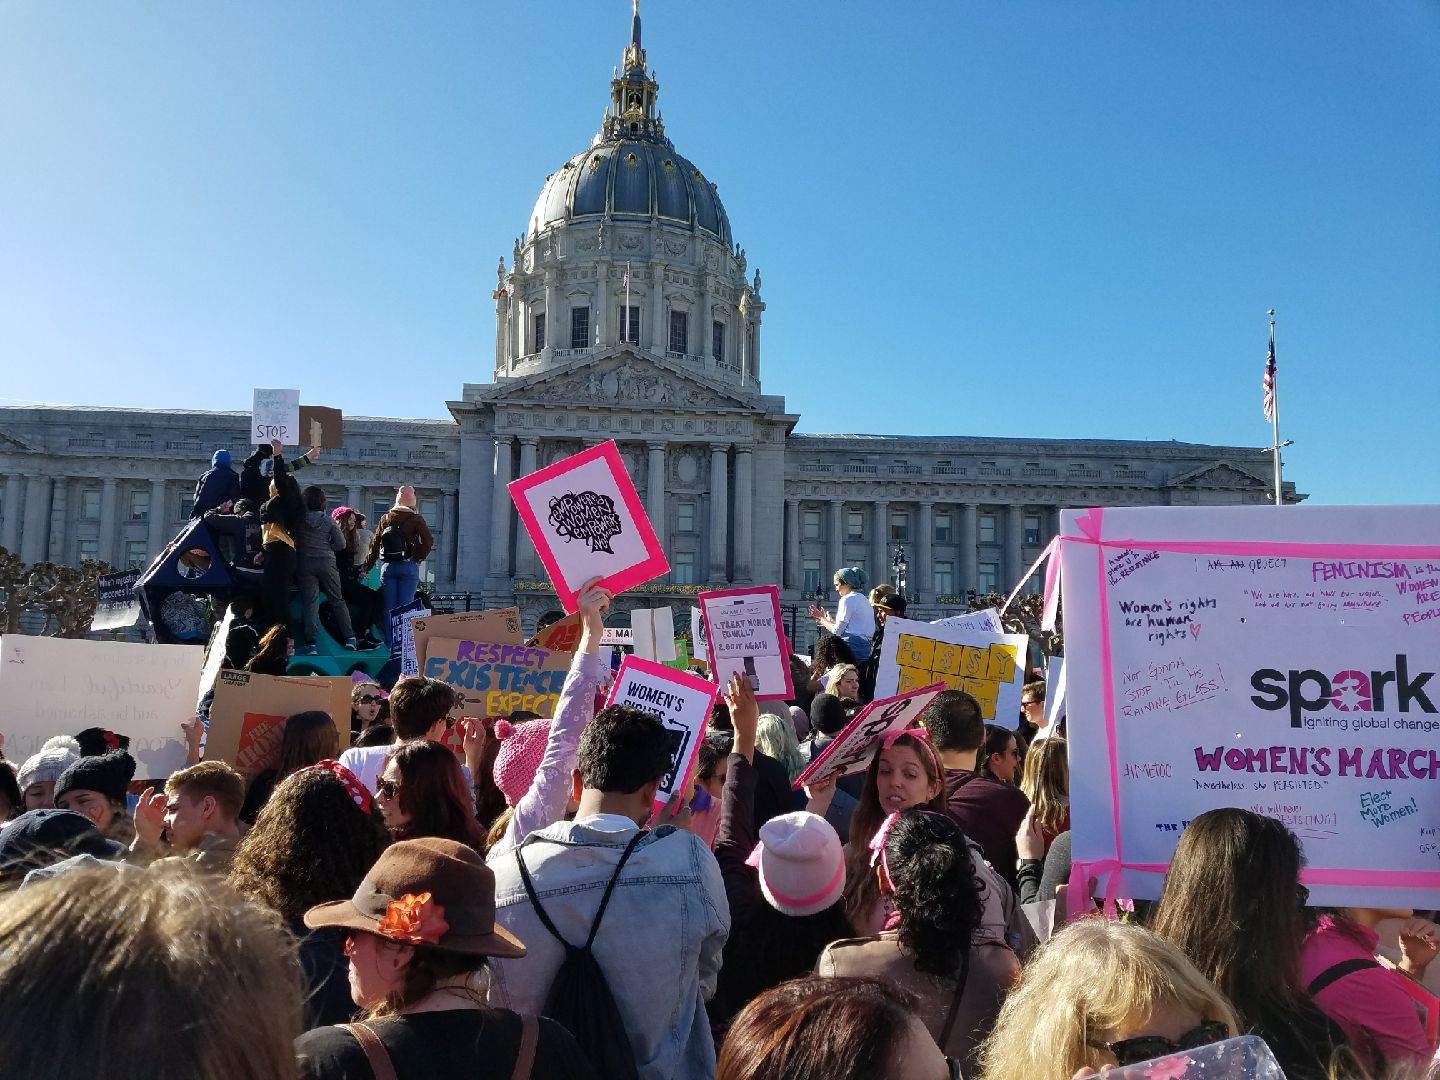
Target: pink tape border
[(1091, 526), (693, 683), (772, 591)]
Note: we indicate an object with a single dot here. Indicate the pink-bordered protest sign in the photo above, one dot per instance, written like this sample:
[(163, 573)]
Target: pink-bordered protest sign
[(745, 634), (682, 702), (850, 751), (585, 519), (1278, 660)]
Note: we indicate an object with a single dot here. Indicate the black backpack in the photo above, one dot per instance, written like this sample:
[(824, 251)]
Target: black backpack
[(394, 547), (580, 999)]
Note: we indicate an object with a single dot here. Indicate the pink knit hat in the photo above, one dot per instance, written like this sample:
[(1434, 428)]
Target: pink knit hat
[(522, 747), (801, 863)]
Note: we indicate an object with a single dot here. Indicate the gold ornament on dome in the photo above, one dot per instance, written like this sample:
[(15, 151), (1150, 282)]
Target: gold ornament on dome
[(631, 159), (633, 115)]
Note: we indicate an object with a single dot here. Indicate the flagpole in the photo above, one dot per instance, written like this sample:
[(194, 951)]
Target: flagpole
[(1275, 420), (625, 323)]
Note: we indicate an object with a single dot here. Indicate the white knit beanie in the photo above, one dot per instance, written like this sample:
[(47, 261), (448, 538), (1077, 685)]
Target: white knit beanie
[(57, 755)]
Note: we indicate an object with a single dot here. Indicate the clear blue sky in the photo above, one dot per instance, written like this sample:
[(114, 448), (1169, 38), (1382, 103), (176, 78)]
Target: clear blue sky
[(1052, 219)]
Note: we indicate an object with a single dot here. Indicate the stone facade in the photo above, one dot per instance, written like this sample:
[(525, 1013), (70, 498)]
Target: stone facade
[(627, 314)]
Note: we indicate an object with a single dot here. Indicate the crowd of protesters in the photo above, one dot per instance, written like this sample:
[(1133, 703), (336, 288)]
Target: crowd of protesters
[(516, 906)]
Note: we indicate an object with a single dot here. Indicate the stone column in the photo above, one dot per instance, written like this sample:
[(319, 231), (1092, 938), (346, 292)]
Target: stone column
[(655, 491), (1014, 553), (500, 508), (106, 547), (10, 538), (449, 526), (923, 571), (707, 319), (719, 511), (659, 335), (355, 499), (792, 544), (58, 521), (969, 541), (473, 549), (517, 338), (502, 327), (744, 512), (527, 563), (159, 523), (552, 309), (600, 333), (836, 547), (37, 508), (880, 543)]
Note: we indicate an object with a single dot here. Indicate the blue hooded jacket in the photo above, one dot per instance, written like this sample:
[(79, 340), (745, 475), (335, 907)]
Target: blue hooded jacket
[(219, 484)]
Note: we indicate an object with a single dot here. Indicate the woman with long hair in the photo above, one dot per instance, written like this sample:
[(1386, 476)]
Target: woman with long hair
[(422, 792), (1232, 902), (313, 843), (775, 737), (830, 652), (367, 705), (831, 1029), (308, 737), (1045, 780), (933, 949), (843, 681), (785, 881), (417, 932), (281, 516), (1099, 994), (272, 655)]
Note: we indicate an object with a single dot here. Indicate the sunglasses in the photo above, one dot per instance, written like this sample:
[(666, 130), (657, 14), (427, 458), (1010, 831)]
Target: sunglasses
[(387, 789), (1147, 1047), (369, 699)]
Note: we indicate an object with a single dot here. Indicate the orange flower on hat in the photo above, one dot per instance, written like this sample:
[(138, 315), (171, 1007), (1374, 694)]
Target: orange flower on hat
[(416, 919)]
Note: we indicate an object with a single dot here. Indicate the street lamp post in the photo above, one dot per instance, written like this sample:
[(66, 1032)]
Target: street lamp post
[(900, 569)]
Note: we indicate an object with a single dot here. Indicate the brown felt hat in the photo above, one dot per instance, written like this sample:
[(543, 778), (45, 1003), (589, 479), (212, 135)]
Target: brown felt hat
[(461, 888)]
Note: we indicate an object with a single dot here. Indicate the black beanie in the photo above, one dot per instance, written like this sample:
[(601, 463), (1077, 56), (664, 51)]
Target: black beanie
[(96, 741), (109, 774), (827, 715)]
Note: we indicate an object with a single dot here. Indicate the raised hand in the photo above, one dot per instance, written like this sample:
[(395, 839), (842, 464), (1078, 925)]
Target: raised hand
[(150, 818)]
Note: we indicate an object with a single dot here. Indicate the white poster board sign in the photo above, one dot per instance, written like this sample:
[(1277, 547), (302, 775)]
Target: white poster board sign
[(681, 701), (654, 633), (745, 636), (59, 686), (1277, 660), (402, 630), (989, 667), (275, 414), (214, 655), (699, 646), (850, 751), (987, 620)]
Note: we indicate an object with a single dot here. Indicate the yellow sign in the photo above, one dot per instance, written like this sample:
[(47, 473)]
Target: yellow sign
[(977, 670)]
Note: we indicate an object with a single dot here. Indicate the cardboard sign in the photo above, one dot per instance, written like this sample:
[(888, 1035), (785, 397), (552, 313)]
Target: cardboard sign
[(58, 686), (986, 621), (117, 606), (247, 717), (1281, 660), (654, 633), (214, 655), (500, 625), (402, 631), (850, 751), (497, 678), (988, 667), (562, 636), (275, 414), (681, 701), (322, 427), (745, 635), (586, 521)]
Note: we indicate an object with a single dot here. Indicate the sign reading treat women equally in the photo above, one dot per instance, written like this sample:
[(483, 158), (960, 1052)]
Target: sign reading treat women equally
[(851, 750), (1279, 660), (586, 521), (681, 701), (744, 635)]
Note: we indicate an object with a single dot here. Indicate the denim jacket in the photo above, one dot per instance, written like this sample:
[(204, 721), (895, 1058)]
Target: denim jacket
[(659, 945)]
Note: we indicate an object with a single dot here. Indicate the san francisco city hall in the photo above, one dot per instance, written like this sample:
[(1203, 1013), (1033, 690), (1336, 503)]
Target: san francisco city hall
[(627, 312)]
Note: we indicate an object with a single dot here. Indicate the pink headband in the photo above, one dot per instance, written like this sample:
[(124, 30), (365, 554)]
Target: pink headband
[(877, 849), (920, 735), (353, 786)]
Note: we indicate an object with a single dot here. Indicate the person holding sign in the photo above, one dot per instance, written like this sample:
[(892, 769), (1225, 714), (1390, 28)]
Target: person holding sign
[(854, 620)]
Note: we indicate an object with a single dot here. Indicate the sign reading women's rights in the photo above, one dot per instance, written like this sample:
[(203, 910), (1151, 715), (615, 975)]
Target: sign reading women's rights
[(851, 750), (1278, 660), (989, 667), (586, 521), (681, 701), (744, 635)]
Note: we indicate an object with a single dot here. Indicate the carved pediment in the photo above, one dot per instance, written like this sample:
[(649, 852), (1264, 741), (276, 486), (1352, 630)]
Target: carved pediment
[(9, 442), (624, 380), (1222, 474)]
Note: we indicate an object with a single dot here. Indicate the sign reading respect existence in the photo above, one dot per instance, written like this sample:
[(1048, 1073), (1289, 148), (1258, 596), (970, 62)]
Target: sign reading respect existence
[(496, 678), (1280, 660), (681, 701), (989, 667)]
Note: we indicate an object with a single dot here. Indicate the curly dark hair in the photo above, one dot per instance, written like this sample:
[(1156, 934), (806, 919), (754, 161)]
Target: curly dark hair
[(936, 892), (311, 844), (830, 652)]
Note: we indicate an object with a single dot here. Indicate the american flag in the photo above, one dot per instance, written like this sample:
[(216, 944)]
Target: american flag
[(1268, 383)]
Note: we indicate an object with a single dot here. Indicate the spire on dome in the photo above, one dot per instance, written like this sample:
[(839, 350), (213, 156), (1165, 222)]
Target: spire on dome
[(633, 91)]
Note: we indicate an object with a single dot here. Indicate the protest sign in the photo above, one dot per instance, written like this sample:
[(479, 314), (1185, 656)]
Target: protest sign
[(275, 414), (247, 716), (618, 636), (497, 678), (989, 667), (322, 427), (214, 655), (850, 751), (1054, 692), (402, 632), (654, 633), (498, 624), (562, 636), (987, 620), (58, 686), (1277, 660), (586, 521), (681, 701), (116, 605), (745, 635), (699, 647)]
